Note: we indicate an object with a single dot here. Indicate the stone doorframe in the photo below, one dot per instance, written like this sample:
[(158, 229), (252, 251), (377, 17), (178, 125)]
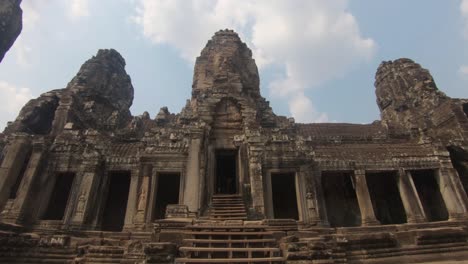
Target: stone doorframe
[(300, 191), (211, 170), (154, 189)]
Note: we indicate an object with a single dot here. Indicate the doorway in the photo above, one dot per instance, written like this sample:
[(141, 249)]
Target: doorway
[(167, 192), (59, 199), (385, 197), (429, 194), (116, 204), (226, 172), (284, 196), (340, 199)]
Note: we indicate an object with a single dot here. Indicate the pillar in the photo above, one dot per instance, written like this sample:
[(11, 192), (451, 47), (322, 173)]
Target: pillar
[(192, 177), (256, 181), (364, 199), (458, 187), (320, 196), (143, 196), (453, 199), (16, 153), (86, 196), (132, 200), (25, 195), (409, 196)]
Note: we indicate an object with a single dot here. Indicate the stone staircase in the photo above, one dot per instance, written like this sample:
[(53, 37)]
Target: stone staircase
[(102, 254), (227, 207), (216, 242)]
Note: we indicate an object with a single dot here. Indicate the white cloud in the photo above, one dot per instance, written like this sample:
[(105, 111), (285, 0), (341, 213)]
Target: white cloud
[(463, 71), (31, 18), (79, 9), (12, 98), (303, 111), (315, 40), (464, 13)]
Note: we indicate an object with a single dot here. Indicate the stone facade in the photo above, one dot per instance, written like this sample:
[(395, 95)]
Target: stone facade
[(84, 181)]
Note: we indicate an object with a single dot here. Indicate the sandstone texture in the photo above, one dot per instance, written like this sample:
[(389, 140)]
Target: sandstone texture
[(99, 96), (226, 180), (10, 24)]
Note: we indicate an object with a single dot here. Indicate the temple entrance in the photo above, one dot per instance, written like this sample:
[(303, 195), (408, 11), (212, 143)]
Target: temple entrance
[(59, 198), (167, 193), (116, 205), (429, 194), (459, 159), (385, 196), (340, 199), (283, 189), (226, 172)]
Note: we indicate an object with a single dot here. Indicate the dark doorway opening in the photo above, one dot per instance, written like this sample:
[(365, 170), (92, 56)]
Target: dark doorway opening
[(283, 190), (429, 194), (459, 158), (113, 218), (465, 109), (226, 172), (340, 199), (385, 197), (19, 178), (167, 192), (59, 198)]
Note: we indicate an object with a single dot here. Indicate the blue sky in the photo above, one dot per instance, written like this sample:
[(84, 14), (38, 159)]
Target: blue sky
[(317, 58)]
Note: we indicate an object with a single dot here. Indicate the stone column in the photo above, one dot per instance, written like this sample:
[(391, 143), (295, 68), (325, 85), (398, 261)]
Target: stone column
[(61, 114), (24, 198), (143, 195), (409, 196), (86, 197), (256, 179), (192, 176), (456, 206), (364, 199), (311, 215), (132, 200), (16, 153), (458, 187), (83, 213)]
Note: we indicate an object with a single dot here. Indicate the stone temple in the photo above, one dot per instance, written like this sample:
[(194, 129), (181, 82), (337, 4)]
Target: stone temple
[(228, 181)]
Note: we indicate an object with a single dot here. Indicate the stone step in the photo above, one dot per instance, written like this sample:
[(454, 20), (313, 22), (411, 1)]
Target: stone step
[(226, 233), (227, 199), (227, 241), (233, 206), (223, 211), (231, 260), (230, 227), (229, 214), (228, 218), (102, 261), (226, 195), (227, 249), (227, 203), (240, 205)]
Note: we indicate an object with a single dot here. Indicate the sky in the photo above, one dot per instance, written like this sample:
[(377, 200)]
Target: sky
[(317, 58)]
